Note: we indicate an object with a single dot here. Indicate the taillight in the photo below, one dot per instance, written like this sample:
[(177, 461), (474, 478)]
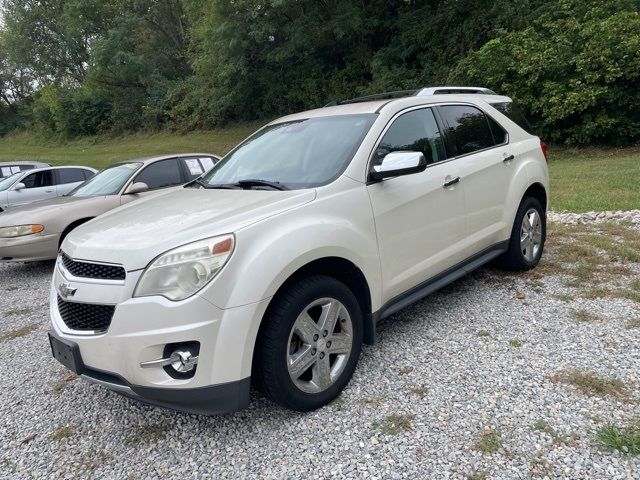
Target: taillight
[(545, 150)]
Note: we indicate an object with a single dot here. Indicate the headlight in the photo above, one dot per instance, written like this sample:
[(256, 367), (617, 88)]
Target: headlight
[(20, 230), (183, 271)]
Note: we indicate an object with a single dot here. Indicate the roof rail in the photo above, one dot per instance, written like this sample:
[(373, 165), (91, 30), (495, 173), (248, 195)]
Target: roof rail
[(414, 93), (375, 96)]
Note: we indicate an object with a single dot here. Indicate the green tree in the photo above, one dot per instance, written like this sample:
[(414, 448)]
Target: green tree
[(576, 70)]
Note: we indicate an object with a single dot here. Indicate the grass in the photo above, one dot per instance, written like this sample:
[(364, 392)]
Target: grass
[(147, 433), (584, 316), (101, 151), (595, 260), (515, 342), (581, 179), (63, 432), (593, 385), (557, 439), (420, 391), (594, 179), (633, 323), (18, 332), (16, 312), (623, 439), (395, 424), (478, 476), (490, 442)]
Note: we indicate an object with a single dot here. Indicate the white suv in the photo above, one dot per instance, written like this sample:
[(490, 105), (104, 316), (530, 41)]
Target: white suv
[(277, 264)]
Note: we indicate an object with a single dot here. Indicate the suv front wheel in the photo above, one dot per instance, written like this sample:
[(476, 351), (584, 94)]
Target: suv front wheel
[(309, 345)]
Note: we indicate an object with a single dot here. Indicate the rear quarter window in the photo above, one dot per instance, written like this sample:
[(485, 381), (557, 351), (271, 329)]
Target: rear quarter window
[(509, 110)]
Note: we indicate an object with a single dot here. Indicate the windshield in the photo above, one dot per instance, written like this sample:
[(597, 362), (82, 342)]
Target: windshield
[(297, 154), (5, 183), (107, 182)]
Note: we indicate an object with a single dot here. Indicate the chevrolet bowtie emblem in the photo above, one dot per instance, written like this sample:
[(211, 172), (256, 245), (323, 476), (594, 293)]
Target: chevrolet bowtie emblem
[(66, 291)]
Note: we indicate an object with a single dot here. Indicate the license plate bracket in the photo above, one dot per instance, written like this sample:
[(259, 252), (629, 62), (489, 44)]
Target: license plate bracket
[(67, 353)]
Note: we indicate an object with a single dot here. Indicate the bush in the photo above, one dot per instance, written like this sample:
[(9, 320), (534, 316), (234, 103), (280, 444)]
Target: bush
[(66, 113), (576, 70)]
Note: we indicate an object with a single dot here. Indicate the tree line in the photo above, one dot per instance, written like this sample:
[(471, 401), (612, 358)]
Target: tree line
[(84, 67)]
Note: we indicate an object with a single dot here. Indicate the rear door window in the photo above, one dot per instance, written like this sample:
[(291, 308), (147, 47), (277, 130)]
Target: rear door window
[(165, 173), (71, 175), (414, 131), (467, 128)]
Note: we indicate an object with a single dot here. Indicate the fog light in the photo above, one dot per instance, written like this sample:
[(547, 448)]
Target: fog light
[(179, 360), (183, 361)]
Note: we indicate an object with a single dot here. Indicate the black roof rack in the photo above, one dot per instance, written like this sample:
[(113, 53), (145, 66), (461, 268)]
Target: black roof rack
[(414, 93), (375, 96)]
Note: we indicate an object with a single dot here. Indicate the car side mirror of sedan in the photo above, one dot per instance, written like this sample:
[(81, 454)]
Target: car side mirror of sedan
[(396, 164), (137, 187), (19, 186)]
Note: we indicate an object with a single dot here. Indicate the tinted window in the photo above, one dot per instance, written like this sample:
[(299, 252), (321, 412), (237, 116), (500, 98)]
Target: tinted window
[(165, 173), (71, 175), (38, 179), (508, 109), (500, 135), (415, 131), (468, 128)]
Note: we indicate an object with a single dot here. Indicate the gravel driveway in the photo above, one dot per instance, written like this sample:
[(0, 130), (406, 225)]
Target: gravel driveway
[(470, 383)]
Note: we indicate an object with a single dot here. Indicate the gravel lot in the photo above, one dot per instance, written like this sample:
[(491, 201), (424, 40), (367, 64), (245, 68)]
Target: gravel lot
[(465, 384)]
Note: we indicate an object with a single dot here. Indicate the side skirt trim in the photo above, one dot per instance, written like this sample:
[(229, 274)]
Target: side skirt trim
[(436, 283)]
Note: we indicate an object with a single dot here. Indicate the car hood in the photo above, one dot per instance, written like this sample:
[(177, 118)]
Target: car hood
[(55, 213), (135, 234)]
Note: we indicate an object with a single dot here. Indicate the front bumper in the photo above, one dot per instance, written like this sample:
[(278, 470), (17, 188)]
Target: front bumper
[(29, 248), (139, 331), (215, 399)]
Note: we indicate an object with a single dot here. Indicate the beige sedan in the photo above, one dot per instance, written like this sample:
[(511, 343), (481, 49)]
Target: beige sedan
[(35, 231)]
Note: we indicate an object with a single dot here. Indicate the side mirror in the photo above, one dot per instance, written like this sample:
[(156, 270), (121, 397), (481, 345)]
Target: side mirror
[(19, 186), (137, 187), (399, 163)]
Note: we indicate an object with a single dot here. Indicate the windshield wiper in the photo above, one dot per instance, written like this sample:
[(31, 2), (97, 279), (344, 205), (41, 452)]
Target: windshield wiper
[(254, 182)]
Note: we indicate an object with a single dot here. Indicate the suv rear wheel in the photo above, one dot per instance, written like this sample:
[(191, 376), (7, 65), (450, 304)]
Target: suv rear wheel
[(310, 344), (527, 237)]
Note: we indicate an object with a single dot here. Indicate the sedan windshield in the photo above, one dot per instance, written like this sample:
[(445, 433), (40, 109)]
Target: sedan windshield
[(298, 154), (107, 182), (5, 183)]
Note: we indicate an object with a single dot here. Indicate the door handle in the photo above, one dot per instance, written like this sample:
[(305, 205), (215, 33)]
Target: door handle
[(508, 158), (450, 182), (48, 191)]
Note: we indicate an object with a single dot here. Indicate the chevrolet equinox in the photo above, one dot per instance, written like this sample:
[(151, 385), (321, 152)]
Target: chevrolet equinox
[(276, 265)]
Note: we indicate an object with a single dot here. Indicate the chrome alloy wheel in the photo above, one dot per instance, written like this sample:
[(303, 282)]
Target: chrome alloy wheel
[(320, 343), (531, 234)]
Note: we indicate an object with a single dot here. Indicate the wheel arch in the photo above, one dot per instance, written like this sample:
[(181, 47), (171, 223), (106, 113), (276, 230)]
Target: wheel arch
[(70, 227), (537, 191), (344, 271)]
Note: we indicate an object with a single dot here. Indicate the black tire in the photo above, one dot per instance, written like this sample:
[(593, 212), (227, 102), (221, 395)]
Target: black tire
[(273, 344), (514, 258)]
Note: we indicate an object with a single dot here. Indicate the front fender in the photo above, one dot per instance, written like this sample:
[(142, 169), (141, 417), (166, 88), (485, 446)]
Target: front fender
[(267, 253)]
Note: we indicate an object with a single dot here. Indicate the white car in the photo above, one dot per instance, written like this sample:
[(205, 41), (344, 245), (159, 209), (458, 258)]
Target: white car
[(276, 265), (30, 186)]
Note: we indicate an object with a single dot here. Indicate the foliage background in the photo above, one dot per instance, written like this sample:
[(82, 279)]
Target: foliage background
[(72, 68)]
